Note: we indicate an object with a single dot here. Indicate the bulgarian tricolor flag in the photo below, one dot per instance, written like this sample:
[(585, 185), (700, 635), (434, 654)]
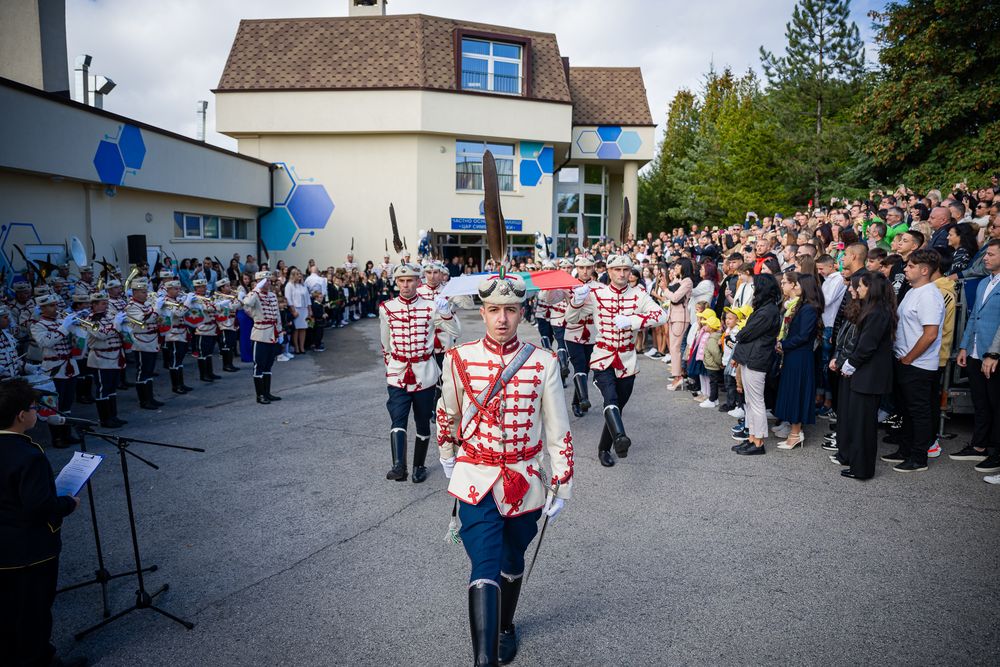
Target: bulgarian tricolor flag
[(535, 280)]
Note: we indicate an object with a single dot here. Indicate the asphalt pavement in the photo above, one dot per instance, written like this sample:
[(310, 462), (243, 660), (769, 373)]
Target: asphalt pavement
[(284, 544)]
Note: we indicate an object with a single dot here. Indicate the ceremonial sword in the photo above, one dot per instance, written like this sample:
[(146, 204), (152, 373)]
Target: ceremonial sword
[(541, 536)]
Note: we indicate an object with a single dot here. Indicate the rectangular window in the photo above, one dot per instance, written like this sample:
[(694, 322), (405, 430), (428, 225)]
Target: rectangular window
[(198, 226), (210, 228), (593, 174), (569, 175), (469, 164), (192, 226), (491, 66)]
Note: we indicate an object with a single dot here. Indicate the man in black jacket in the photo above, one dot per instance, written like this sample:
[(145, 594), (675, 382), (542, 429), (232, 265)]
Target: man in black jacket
[(31, 515)]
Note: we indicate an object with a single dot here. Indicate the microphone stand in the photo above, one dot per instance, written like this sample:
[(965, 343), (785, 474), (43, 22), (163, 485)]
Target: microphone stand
[(101, 574), (143, 599)]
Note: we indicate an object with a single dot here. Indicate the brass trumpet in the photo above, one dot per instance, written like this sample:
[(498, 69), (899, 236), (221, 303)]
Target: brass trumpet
[(81, 320), (174, 305)]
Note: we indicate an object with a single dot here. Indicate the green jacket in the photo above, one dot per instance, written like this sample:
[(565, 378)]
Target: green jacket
[(713, 352)]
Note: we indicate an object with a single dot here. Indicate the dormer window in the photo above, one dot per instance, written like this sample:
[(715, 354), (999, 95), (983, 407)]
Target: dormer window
[(492, 66)]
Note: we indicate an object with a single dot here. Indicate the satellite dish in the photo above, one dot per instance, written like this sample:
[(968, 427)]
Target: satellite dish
[(78, 252)]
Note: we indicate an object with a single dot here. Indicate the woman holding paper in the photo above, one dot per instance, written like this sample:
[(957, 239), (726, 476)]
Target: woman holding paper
[(31, 515)]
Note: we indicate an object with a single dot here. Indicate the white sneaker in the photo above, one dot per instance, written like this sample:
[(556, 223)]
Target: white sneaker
[(737, 412), (935, 450), (650, 352), (771, 417), (282, 357), (665, 358), (708, 404), (992, 479)]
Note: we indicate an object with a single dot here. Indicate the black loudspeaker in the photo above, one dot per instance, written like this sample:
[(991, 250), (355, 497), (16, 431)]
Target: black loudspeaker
[(136, 248)]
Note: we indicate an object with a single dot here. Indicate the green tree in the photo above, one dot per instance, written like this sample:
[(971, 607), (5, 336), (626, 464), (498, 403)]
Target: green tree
[(813, 87), (659, 193), (933, 117)]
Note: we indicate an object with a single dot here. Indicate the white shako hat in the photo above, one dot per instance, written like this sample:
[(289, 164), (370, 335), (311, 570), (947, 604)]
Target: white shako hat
[(502, 288), (172, 283), (47, 300), (548, 264), (583, 260), (221, 282), (140, 283), (260, 275), (620, 260), (199, 282), (406, 270), (166, 275), (564, 263), (114, 282)]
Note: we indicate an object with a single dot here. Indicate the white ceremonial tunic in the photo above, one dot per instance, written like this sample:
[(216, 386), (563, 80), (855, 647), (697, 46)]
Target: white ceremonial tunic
[(584, 330), (442, 339), (263, 308), (144, 322), (555, 301), (408, 338), (105, 345), (500, 449), (57, 351), (615, 348)]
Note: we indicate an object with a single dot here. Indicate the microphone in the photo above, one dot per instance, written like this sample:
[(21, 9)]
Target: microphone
[(60, 419)]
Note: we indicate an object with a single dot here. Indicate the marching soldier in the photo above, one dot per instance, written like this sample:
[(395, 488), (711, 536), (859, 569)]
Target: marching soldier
[(117, 303), (144, 322), (201, 316), (262, 303), (175, 332), (429, 291), (11, 363), (580, 338), (500, 396), (619, 310), (53, 337), (556, 302), (20, 310), (164, 277), (85, 285), (78, 338), (226, 303), (408, 324), (106, 358)]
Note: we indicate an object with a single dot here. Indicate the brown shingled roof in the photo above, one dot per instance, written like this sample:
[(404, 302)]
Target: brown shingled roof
[(337, 53), (609, 96)]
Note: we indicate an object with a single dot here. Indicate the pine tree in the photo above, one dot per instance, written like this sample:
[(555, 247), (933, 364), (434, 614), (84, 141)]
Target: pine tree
[(933, 116), (813, 84), (658, 189)]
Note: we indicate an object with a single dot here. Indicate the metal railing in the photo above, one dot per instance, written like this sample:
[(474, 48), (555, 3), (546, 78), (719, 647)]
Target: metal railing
[(497, 83)]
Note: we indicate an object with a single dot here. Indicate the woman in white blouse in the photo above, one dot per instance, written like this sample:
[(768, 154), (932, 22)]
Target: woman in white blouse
[(297, 297)]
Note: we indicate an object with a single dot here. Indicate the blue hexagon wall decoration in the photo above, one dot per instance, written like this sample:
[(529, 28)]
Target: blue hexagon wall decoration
[(277, 229), (588, 141), (132, 146), (531, 173), (109, 164), (609, 151), (283, 184), (608, 133), (310, 206), (629, 142)]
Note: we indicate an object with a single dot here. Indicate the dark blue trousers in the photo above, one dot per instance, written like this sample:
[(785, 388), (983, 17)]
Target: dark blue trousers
[(579, 356), (495, 544), (544, 329), (264, 355), (614, 390), (560, 334), (146, 366), (399, 404)]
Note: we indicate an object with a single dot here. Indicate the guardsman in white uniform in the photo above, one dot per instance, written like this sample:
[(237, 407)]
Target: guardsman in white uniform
[(175, 332), (106, 358), (22, 307), (85, 285), (12, 364), (80, 306), (580, 338), (144, 323), (226, 303), (53, 337), (619, 310), (117, 301), (434, 273), (262, 305), (556, 302), (408, 323), (201, 317), (500, 400)]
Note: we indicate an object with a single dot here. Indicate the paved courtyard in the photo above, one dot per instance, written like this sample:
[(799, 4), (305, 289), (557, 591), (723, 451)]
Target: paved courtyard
[(285, 544)]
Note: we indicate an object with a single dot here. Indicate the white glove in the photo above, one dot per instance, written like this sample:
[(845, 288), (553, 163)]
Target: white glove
[(260, 285), (226, 303), (580, 294), (553, 506), (448, 465), (847, 370), (623, 322), (189, 300), (160, 301), (68, 322), (442, 305), (32, 369), (119, 320)]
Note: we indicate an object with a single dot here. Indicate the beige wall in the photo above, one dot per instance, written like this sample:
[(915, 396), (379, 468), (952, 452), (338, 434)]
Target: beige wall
[(57, 210), (364, 173), (20, 42), (391, 112)]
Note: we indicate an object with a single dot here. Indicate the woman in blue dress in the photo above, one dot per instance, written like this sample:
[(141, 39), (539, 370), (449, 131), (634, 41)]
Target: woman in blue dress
[(797, 339)]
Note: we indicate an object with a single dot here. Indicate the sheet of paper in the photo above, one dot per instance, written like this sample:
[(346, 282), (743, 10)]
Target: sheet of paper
[(75, 474)]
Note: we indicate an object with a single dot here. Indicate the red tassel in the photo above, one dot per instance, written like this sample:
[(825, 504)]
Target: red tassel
[(408, 377), (515, 486), (617, 363)]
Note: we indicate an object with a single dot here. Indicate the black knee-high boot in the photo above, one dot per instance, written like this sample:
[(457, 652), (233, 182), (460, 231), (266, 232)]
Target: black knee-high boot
[(510, 591), (484, 622), (616, 429), (580, 383), (397, 443), (419, 457)]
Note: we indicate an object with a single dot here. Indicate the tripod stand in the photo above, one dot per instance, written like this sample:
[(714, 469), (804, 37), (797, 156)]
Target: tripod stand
[(143, 599), (101, 574)]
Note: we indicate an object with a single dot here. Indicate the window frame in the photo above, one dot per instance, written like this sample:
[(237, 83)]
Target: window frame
[(512, 157), (237, 225), (515, 40)]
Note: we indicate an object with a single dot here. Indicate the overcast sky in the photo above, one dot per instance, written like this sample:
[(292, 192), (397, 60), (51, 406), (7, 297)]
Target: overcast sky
[(167, 54)]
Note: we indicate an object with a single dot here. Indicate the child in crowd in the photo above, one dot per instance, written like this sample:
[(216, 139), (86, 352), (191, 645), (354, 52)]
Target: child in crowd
[(287, 327), (713, 359), (734, 399), (317, 323), (696, 354)]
